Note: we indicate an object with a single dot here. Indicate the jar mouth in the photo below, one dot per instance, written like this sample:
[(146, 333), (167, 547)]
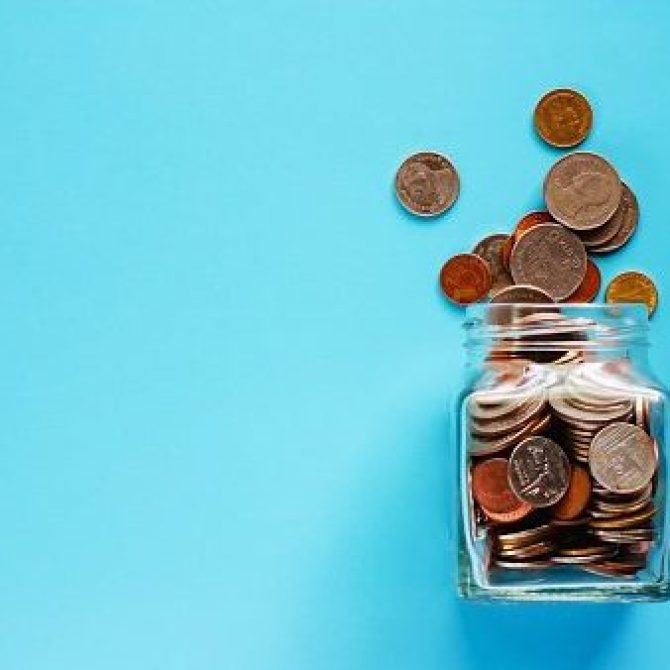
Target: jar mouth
[(556, 326)]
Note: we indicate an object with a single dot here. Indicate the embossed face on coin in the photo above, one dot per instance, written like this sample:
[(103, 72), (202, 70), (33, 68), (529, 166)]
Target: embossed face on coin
[(582, 191), (427, 184), (465, 278), (539, 471), (622, 458), (563, 117), (550, 257), (633, 287), (490, 249)]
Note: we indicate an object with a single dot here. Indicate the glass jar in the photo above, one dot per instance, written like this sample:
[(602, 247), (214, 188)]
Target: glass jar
[(561, 456)]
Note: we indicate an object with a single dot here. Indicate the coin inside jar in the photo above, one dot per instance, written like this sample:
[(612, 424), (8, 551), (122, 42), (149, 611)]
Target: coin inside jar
[(465, 278), (551, 258), (563, 117), (539, 471), (622, 458), (491, 490), (427, 184), (576, 498), (582, 191)]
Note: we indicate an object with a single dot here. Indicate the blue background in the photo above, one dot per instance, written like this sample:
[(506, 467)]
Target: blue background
[(224, 360)]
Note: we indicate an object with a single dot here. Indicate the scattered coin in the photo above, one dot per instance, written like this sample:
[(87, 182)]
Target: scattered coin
[(527, 222), (522, 294), (622, 458), (490, 249), (539, 471), (633, 287), (551, 258), (465, 278), (590, 285), (427, 184), (563, 117), (582, 191)]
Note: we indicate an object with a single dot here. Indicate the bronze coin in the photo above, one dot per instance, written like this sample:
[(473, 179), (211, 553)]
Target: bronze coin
[(551, 258), (574, 502), (539, 471), (633, 287), (563, 117), (491, 490), (490, 249), (522, 565), (589, 287), (525, 537), (465, 278), (582, 191), (618, 230), (622, 458), (427, 184), (526, 222)]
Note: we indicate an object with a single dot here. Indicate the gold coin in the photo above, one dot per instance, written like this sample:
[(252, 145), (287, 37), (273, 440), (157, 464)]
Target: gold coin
[(632, 287), (563, 117)]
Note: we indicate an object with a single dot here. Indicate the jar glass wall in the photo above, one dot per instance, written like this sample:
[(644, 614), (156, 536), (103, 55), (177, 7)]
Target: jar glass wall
[(561, 456)]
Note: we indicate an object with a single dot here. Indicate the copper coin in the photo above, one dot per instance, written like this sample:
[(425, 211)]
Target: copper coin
[(563, 117), (539, 471), (589, 287), (633, 287), (574, 502), (427, 184), (492, 491), (582, 191), (490, 249), (551, 258), (619, 229), (526, 222), (465, 278), (622, 458)]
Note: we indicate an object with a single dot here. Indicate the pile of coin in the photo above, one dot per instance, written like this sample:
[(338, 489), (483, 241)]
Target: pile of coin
[(562, 473), (589, 210)]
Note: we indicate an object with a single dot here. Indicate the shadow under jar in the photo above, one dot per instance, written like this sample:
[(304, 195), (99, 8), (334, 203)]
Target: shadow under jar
[(561, 456)]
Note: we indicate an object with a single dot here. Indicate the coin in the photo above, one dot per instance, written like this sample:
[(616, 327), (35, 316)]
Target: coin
[(589, 287), (491, 489), (622, 458), (465, 278), (427, 184), (619, 229), (563, 117), (526, 222), (490, 249), (539, 471), (574, 502), (633, 287), (522, 294), (582, 191), (551, 258)]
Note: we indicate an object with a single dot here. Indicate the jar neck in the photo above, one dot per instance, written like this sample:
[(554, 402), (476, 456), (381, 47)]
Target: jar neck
[(556, 333)]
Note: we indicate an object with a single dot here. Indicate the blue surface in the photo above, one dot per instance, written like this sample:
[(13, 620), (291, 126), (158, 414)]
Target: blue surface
[(225, 361)]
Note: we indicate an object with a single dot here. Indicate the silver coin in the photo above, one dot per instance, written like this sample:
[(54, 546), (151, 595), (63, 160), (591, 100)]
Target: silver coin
[(582, 191), (625, 219), (490, 249), (551, 258), (622, 458), (539, 471), (522, 294)]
